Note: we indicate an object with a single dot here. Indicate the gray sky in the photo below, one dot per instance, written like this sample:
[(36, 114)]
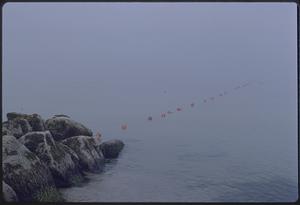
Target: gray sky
[(103, 62)]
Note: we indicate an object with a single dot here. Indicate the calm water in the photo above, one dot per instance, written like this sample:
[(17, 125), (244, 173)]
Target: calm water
[(219, 151)]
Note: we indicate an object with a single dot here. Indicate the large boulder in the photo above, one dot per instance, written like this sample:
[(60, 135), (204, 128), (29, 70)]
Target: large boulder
[(84, 147), (24, 171), (9, 195), (19, 124), (16, 127), (111, 148), (71, 152), (55, 155), (5, 130), (64, 127), (13, 115), (36, 122)]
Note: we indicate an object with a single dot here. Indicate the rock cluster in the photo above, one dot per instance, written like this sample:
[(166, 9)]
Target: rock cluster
[(40, 156)]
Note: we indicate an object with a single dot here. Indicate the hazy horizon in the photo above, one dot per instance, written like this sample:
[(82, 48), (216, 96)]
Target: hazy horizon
[(105, 64)]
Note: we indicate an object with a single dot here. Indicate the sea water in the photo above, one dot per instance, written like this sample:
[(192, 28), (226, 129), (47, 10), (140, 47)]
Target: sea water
[(235, 148)]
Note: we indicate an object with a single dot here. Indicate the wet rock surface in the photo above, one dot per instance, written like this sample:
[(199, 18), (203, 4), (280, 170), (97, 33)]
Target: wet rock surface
[(64, 127), (9, 195), (23, 171), (55, 155), (16, 127), (111, 148), (38, 156), (35, 121), (84, 147)]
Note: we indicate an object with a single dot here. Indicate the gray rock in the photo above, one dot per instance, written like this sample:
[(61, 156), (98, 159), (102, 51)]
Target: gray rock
[(5, 130), (16, 127), (64, 127), (73, 154), (99, 151), (13, 115), (55, 155), (84, 147), (36, 122), (9, 195), (23, 170), (19, 124), (61, 115), (25, 125), (111, 148), (33, 139)]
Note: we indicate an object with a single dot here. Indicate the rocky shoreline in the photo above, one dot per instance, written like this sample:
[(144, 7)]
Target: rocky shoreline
[(39, 156)]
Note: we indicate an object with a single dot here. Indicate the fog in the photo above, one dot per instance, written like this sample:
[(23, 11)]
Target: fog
[(105, 64)]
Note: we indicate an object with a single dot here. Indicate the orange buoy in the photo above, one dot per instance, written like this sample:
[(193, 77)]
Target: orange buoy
[(124, 127)]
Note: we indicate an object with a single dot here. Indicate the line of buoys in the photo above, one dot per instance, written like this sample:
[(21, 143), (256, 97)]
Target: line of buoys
[(178, 109)]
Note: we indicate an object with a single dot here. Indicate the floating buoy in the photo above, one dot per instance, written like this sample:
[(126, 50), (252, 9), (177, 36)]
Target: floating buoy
[(164, 114), (124, 127)]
